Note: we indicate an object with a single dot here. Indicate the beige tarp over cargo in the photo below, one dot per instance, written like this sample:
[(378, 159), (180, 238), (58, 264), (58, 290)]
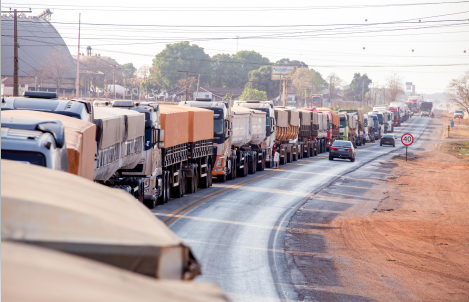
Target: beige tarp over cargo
[(80, 137), (175, 122), (31, 273), (200, 123), (65, 212)]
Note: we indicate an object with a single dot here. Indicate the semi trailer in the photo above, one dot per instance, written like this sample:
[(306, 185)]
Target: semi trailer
[(318, 130), (288, 122), (333, 125), (270, 124)]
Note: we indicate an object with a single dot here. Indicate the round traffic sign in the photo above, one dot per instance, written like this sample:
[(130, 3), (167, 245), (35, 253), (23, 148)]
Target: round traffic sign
[(407, 139)]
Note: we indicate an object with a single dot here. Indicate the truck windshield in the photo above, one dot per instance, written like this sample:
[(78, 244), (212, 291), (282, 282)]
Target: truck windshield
[(218, 126), (343, 123), (366, 123), (380, 119), (34, 158)]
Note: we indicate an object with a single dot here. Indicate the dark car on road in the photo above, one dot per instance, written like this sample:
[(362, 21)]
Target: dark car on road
[(388, 139), (342, 149)]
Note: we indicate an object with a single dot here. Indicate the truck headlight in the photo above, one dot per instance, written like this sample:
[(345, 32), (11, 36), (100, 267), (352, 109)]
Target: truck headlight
[(219, 162), (146, 183)]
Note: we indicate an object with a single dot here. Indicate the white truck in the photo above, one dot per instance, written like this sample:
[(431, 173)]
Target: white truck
[(266, 147)]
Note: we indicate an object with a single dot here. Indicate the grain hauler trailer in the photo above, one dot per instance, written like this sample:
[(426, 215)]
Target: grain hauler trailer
[(307, 143), (224, 164), (318, 130), (333, 126), (369, 133), (119, 145), (268, 108), (286, 132), (388, 117), (200, 156), (73, 215), (248, 132)]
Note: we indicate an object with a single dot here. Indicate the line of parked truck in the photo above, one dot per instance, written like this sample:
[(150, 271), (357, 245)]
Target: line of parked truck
[(156, 151)]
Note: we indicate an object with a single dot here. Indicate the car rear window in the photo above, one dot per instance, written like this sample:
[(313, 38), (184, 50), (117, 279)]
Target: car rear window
[(388, 135), (342, 144)]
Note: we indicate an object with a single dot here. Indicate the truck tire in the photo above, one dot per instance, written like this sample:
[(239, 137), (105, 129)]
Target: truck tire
[(204, 182), (221, 178), (232, 174), (167, 186), (150, 203), (253, 164), (261, 165), (192, 184), (282, 161), (178, 191), (268, 164)]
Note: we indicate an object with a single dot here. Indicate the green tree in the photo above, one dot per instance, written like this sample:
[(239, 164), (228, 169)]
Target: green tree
[(288, 62), (256, 95), (182, 56), (319, 84), (225, 70), (262, 80), (358, 87), (247, 61)]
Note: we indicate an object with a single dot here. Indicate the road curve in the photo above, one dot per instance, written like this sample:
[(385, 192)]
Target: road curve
[(237, 229)]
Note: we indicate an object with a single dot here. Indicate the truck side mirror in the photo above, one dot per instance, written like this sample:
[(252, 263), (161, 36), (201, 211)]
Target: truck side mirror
[(160, 135)]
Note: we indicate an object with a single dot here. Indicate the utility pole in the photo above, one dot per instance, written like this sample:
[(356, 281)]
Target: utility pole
[(114, 80), (198, 81), (16, 67), (77, 85), (187, 81), (284, 92)]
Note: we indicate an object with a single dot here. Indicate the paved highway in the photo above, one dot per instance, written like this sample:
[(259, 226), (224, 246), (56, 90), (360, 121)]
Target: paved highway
[(238, 229)]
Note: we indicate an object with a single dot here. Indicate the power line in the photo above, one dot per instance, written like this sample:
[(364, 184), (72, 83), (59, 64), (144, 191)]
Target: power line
[(231, 9)]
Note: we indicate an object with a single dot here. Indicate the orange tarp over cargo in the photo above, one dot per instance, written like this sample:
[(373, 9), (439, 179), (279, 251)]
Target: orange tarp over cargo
[(200, 123), (80, 137), (175, 123)]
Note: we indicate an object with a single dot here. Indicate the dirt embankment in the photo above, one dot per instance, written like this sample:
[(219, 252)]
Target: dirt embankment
[(415, 246)]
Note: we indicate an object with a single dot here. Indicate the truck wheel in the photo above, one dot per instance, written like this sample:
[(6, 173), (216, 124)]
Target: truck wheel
[(252, 165), (246, 167), (179, 190), (232, 174), (261, 165), (168, 187), (282, 161), (221, 178), (150, 203), (268, 164)]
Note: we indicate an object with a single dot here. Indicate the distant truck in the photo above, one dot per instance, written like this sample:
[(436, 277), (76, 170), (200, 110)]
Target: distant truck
[(270, 125), (318, 136), (378, 128), (288, 126), (356, 125), (333, 126), (369, 133), (426, 108)]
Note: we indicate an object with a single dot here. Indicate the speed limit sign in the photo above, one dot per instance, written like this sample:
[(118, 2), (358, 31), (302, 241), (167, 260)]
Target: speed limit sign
[(407, 139)]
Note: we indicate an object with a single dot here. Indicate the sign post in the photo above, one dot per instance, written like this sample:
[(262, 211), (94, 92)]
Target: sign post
[(407, 139)]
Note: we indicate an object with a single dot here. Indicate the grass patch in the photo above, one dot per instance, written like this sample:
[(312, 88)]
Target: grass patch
[(458, 149)]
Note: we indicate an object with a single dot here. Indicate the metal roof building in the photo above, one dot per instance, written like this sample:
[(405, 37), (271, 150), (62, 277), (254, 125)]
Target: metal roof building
[(38, 41)]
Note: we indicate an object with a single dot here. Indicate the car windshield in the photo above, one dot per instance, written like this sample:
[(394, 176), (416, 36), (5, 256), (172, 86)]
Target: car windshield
[(342, 144)]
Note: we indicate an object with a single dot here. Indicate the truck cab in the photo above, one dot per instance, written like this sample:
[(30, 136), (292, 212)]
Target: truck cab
[(221, 134), (343, 126), (35, 141), (377, 127), (49, 102)]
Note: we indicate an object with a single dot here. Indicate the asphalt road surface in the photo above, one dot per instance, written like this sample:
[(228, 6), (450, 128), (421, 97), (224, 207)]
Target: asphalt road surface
[(241, 231)]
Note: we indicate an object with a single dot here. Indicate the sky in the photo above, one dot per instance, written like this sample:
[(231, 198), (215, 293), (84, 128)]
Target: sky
[(343, 37)]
